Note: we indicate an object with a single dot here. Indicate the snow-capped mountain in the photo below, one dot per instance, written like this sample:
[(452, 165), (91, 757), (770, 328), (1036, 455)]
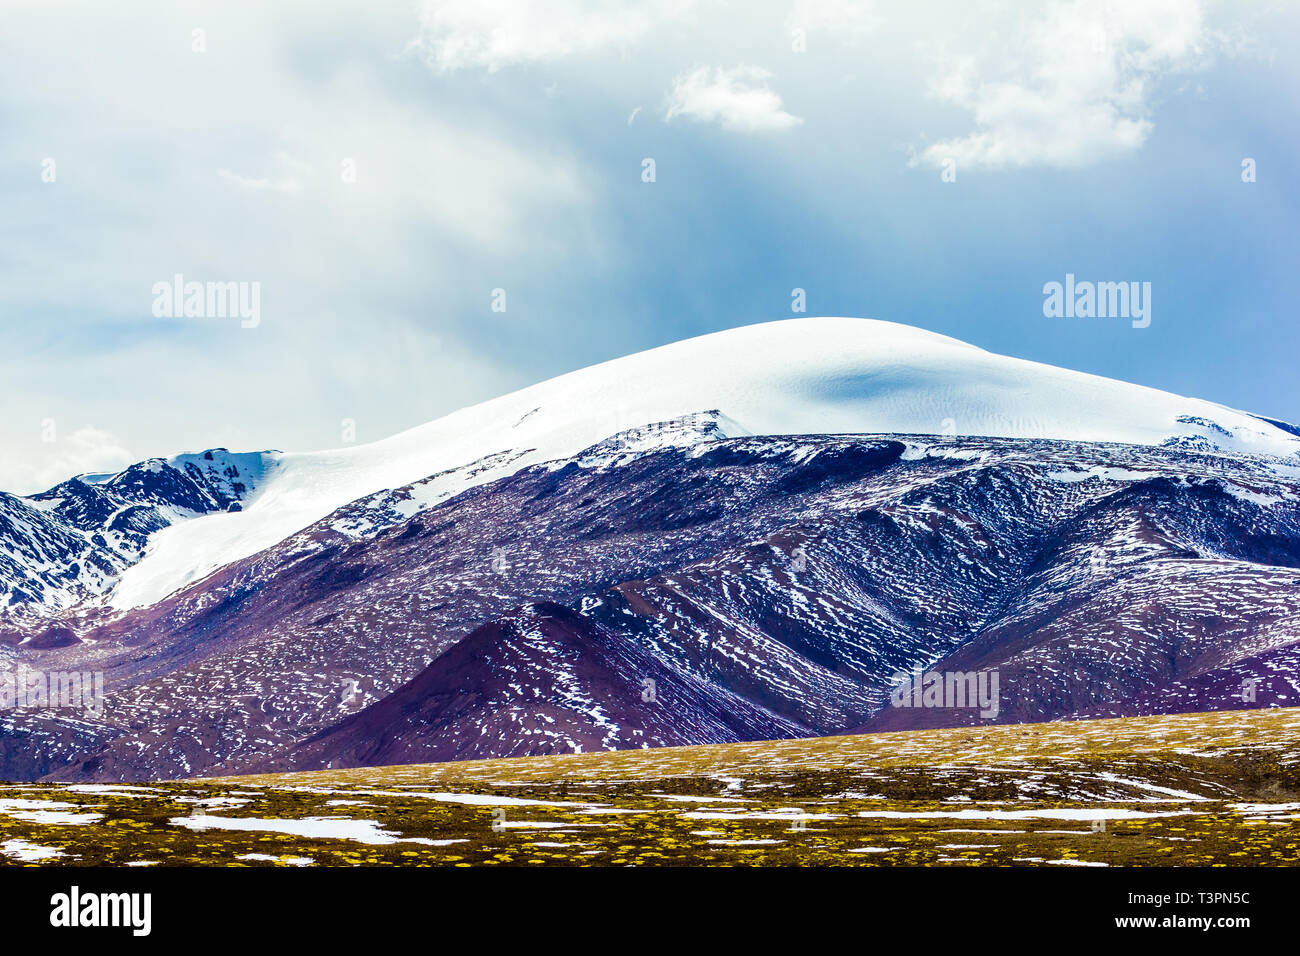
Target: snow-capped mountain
[(799, 376), (767, 525)]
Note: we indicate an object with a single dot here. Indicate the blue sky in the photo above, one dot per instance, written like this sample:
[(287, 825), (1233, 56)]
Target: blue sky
[(500, 145)]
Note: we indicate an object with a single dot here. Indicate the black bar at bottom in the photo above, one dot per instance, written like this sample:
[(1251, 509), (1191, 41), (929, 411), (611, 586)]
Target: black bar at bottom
[(925, 906)]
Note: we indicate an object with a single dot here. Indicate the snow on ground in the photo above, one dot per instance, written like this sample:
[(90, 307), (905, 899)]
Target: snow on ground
[(47, 812), (325, 828), (799, 376), (287, 860), (25, 852)]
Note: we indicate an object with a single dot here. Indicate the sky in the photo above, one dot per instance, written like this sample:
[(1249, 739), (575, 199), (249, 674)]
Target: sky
[(437, 203)]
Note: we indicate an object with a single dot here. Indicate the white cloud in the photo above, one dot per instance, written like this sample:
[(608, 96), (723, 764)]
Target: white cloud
[(459, 34), (289, 178), (736, 99), (1066, 85), (85, 450)]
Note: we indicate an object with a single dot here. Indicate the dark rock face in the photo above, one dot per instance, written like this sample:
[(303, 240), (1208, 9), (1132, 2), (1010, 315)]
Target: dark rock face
[(752, 587), (61, 546)]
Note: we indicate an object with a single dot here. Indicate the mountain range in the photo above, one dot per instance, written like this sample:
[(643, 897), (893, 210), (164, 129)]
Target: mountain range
[(747, 535)]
